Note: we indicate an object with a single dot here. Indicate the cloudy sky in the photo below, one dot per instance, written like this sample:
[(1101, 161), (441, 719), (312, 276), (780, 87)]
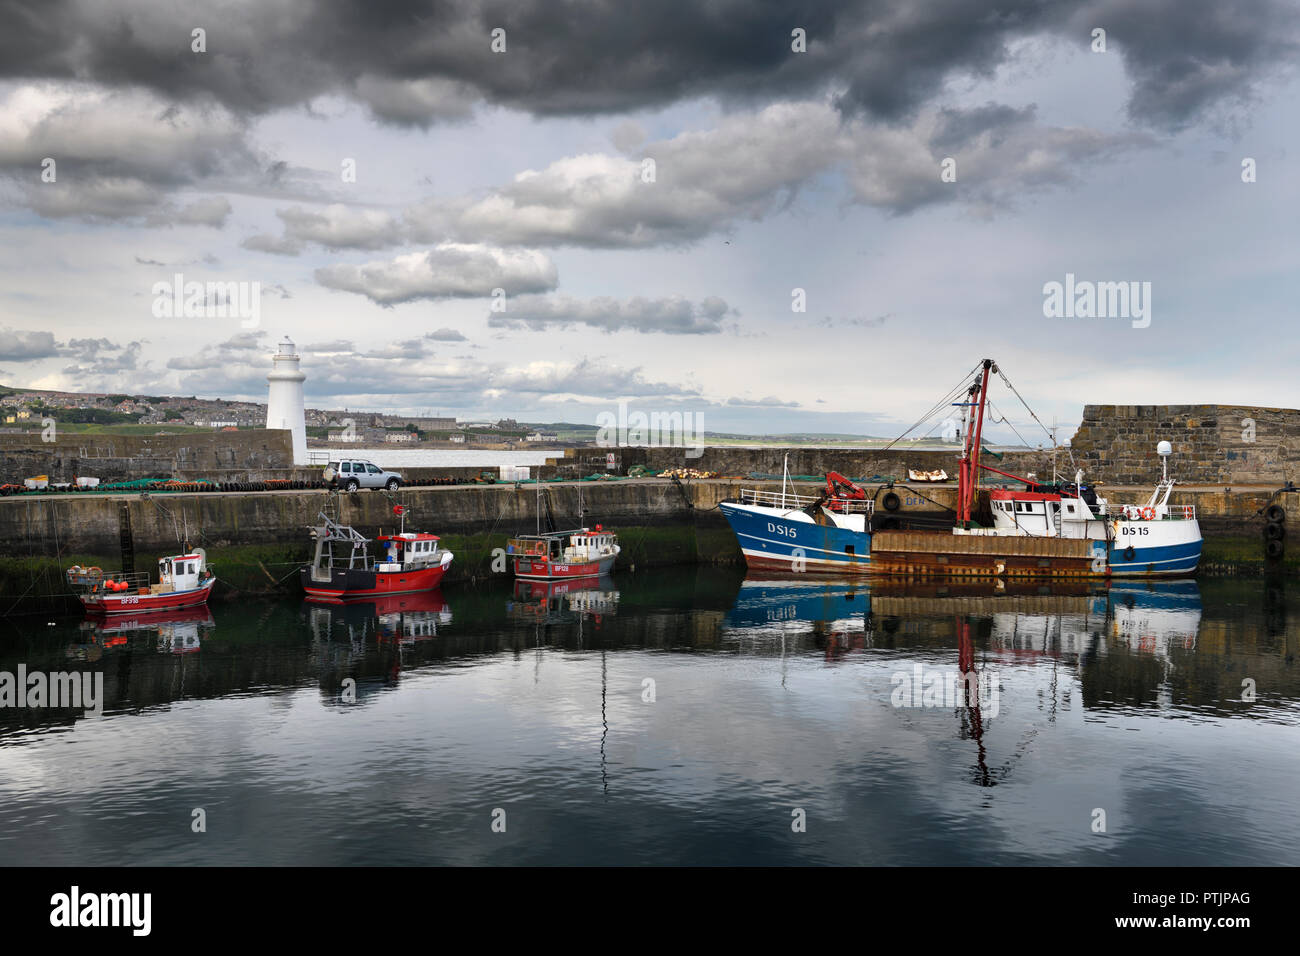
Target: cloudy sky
[(617, 201)]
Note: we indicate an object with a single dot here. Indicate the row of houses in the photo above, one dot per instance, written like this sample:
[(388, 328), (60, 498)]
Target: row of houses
[(23, 407)]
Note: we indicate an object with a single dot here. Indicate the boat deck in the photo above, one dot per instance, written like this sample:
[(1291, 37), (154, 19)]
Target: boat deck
[(923, 553)]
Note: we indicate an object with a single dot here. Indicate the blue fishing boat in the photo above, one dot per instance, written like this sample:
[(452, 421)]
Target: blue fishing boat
[(1060, 529)]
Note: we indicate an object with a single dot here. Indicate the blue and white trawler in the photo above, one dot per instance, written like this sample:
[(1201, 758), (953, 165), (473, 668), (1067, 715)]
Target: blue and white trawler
[(842, 531)]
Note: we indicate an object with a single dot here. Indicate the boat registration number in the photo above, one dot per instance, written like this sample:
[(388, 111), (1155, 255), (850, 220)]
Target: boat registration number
[(781, 529), (1128, 529), (130, 600)]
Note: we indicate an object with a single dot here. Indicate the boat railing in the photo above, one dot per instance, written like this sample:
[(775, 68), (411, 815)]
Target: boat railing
[(851, 506), (525, 546), (775, 499), (793, 502), (1162, 513), (136, 582)]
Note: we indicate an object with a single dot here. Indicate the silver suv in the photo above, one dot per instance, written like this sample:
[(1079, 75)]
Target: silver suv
[(351, 474)]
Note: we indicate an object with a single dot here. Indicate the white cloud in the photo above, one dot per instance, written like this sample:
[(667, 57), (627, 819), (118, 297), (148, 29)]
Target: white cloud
[(449, 270)]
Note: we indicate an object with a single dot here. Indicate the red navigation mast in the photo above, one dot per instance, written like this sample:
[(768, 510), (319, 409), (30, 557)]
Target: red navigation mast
[(968, 468)]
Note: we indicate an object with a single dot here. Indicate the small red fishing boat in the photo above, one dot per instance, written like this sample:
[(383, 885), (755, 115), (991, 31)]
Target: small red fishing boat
[(184, 580), (344, 570), (580, 553)]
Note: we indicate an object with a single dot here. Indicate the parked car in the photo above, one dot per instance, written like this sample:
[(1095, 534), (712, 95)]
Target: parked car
[(352, 474)]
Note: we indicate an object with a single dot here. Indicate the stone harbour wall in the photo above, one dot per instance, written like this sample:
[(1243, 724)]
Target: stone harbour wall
[(1213, 444), (245, 455)]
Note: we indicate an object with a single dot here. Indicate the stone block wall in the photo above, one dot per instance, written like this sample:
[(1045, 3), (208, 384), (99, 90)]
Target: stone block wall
[(1214, 444), (113, 457)]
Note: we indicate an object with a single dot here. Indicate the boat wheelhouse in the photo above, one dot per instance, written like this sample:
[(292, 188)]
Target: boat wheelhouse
[(578, 553), (343, 568), (1155, 538), (184, 580)]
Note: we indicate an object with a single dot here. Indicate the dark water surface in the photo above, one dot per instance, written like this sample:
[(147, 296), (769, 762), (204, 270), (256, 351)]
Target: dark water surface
[(774, 701)]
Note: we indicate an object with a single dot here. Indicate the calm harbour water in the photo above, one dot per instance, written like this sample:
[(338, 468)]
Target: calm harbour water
[(773, 701)]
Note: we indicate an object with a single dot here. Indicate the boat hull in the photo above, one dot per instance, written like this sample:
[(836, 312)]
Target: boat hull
[(113, 604), (350, 584), (540, 569), (1176, 553), (787, 541), (774, 540)]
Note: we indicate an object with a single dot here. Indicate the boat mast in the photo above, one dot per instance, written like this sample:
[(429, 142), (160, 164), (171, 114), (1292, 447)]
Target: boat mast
[(963, 466), (968, 475)]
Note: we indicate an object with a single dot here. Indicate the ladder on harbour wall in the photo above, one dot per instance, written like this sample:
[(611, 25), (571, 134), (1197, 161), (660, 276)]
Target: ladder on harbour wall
[(127, 539)]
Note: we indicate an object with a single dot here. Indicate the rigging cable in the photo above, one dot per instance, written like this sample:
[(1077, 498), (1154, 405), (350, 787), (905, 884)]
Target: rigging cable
[(1045, 429), (946, 400)]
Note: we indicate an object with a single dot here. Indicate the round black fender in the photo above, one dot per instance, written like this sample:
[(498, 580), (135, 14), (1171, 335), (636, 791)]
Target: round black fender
[(1273, 549), (1274, 532), (891, 501), (1275, 514), (1129, 553)]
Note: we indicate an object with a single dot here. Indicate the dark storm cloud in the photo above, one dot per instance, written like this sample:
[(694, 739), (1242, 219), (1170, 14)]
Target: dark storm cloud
[(97, 360), (416, 62), (1183, 57), (20, 345)]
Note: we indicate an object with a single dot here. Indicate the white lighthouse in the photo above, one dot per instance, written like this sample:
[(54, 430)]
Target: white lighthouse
[(284, 406)]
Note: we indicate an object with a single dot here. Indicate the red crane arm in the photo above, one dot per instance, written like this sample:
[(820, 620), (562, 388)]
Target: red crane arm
[(835, 481)]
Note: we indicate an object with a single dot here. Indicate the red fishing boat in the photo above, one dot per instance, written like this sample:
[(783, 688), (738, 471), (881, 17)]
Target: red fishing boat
[(184, 580), (343, 568), (580, 553)]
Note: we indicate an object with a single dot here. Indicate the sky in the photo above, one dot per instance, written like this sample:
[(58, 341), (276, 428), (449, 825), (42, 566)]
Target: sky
[(777, 217)]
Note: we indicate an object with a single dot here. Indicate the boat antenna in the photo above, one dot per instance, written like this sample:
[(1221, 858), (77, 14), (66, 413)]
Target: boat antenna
[(785, 477)]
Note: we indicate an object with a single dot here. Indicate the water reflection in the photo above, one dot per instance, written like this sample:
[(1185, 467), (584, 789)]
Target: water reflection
[(1126, 641), (563, 602), (762, 695), (178, 631)]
